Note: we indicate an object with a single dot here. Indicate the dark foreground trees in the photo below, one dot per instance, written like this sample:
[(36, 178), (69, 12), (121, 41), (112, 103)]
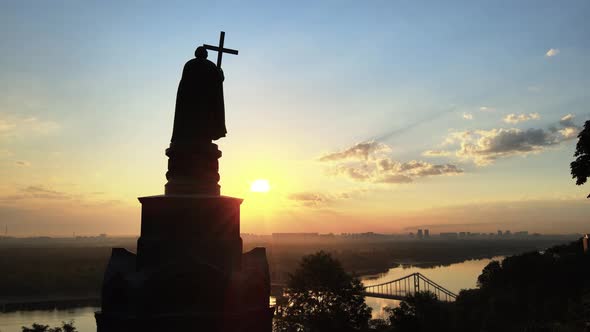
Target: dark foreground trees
[(65, 327), (535, 291), (322, 297), (531, 291), (581, 166), (421, 312)]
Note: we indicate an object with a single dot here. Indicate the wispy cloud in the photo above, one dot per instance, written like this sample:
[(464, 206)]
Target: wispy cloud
[(360, 151), (16, 125), (45, 193), (467, 116), (22, 163), (552, 52), (320, 199), (486, 109), (436, 153), (516, 118)]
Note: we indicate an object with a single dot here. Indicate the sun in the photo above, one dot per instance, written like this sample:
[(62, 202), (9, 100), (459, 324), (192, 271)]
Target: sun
[(260, 186)]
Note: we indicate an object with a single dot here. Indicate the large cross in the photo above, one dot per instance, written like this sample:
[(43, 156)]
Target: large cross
[(220, 50)]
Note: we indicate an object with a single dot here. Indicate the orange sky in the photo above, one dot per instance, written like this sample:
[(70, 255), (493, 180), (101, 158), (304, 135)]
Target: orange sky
[(407, 118)]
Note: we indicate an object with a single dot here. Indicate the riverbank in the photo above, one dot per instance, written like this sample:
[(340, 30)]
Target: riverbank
[(47, 303)]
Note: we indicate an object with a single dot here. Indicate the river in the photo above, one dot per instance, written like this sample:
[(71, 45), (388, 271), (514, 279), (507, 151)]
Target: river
[(454, 277)]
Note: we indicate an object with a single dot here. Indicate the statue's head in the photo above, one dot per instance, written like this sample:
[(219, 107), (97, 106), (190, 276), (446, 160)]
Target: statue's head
[(201, 53)]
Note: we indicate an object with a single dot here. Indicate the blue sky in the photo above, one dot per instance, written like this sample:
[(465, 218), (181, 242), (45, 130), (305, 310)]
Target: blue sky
[(88, 88)]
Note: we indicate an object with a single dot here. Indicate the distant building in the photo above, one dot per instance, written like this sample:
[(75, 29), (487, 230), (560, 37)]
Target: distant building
[(420, 234), (499, 233), (462, 234), (426, 233), (448, 236), (507, 234), (585, 241), (521, 234), (295, 236)]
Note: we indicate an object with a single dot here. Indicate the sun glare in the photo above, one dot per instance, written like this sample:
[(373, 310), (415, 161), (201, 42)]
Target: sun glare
[(260, 186)]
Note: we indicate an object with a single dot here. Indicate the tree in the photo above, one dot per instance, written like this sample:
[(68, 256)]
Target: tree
[(419, 312), (65, 327), (322, 297), (580, 168)]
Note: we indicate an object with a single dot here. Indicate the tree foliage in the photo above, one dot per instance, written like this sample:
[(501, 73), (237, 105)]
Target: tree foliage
[(65, 327), (421, 312), (321, 297), (534, 291), (580, 168)]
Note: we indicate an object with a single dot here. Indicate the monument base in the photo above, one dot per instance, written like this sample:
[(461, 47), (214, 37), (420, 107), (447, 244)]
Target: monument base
[(189, 273), (247, 321)]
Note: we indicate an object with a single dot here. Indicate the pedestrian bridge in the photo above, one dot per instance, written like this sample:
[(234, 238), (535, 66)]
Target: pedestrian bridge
[(401, 288)]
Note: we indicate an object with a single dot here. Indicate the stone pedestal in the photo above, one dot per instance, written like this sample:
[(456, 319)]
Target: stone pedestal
[(193, 168), (189, 273), (189, 227)]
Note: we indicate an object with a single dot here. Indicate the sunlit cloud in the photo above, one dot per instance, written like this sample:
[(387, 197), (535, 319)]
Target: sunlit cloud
[(16, 125), (516, 118), (483, 147), (22, 163), (320, 199), (436, 153), (567, 121), (45, 193), (486, 109), (375, 167), (467, 116), (552, 52), (360, 151)]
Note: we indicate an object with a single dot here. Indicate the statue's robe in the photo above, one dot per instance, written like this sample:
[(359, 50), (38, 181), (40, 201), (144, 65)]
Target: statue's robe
[(200, 112)]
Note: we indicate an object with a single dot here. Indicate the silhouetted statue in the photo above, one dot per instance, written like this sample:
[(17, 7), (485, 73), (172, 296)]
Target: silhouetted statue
[(199, 118), (200, 113), (189, 273)]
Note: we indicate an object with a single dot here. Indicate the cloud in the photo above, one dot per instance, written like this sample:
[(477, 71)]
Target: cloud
[(22, 163), (567, 121), (436, 153), (375, 167), (569, 132), (395, 178), (317, 199), (483, 147), (516, 118), (17, 125), (44, 193), (552, 52), (486, 109), (360, 151), (467, 116)]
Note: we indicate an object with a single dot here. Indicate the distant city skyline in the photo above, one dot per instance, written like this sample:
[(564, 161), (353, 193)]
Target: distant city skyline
[(341, 116)]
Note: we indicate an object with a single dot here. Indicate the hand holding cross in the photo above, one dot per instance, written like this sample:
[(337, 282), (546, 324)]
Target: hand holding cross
[(220, 50)]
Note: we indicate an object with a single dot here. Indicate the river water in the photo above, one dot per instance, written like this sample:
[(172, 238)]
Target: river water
[(454, 277)]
